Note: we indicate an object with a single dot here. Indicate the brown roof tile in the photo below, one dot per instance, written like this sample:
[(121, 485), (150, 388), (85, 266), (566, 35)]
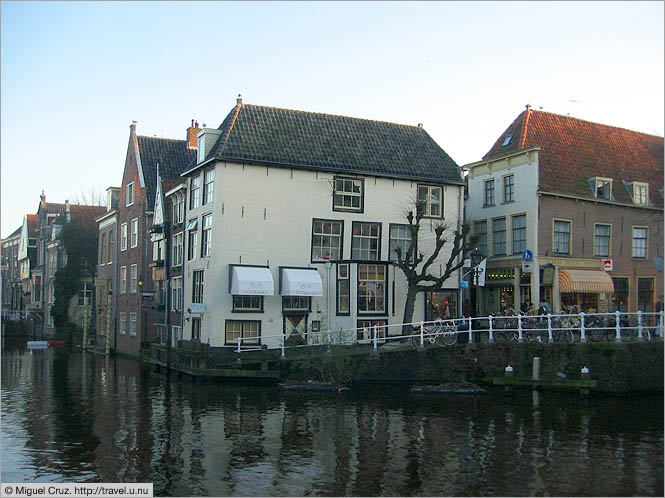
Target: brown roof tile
[(573, 151), (85, 216)]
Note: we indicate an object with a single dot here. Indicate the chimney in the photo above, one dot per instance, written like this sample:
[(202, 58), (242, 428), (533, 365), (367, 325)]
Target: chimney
[(42, 201), (239, 99), (192, 139), (68, 211), (528, 107), (420, 125)]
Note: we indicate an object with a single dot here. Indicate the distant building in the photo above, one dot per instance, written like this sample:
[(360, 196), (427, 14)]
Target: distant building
[(585, 199), (135, 293), (11, 287)]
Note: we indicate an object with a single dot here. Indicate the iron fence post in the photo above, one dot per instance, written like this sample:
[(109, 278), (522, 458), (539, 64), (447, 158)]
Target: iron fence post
[(550, 338), (520, 332), (617, 326), (491, 331), (640, 337), (582, 328), (422, 334)]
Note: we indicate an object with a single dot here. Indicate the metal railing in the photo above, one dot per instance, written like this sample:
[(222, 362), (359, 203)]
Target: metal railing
[(579, 327)]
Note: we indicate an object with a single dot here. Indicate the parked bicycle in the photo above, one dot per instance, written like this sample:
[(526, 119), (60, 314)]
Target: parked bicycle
[(441, 332)]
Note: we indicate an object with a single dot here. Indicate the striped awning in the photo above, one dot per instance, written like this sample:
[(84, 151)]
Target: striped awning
[(587, 281)]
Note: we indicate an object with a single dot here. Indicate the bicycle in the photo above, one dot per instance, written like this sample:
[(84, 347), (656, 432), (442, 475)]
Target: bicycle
[(441, 332)]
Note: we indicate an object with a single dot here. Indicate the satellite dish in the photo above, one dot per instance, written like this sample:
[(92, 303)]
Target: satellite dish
[(658, 263)]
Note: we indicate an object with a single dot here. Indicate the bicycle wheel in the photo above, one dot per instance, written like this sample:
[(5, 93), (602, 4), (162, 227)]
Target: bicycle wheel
[(447, 338), (415, 341)]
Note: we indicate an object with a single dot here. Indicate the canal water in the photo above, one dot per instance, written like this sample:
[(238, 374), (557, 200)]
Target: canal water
[(73, 417)]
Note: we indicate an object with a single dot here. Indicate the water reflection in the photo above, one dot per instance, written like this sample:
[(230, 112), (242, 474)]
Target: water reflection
[(84, 417)]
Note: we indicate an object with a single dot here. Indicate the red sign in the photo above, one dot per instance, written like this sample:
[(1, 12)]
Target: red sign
[(607, 264)]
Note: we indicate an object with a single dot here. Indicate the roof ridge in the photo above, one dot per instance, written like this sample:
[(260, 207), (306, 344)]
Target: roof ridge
[(334, 116), (161, 138), (226, 135), (525, 126), (595, 123)]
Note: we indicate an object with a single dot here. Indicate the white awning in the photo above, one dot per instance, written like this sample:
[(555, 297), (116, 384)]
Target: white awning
[(251, 281), (297, 282)]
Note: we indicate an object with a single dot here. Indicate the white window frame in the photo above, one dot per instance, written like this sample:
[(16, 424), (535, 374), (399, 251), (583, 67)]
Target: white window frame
[(646, 242), (602, 181), (197, 286), (380, 307), (195, 192), (132, 323), (176, 294), (348, 191), (178, 248), (206, 235), (134, 235), (123, 280), (123, 236), (178, 208), (129, 194), (133, 278), (429, 202), (399, 239), (208, 186), (643, 198), (123, 323)]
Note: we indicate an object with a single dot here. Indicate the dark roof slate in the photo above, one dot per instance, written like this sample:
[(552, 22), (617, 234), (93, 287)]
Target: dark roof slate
[(173, 157), (297, 139), (573, 151)]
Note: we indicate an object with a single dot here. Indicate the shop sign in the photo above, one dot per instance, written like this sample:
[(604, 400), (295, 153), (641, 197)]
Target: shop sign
[(607, 264), (527, 267)]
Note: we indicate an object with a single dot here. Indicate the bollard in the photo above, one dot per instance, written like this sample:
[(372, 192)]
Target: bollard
[(584, 375), (508, 389), (618, 327), (536, 368)]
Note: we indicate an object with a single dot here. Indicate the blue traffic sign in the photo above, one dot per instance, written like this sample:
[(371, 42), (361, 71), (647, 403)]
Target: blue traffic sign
[(527, 255)]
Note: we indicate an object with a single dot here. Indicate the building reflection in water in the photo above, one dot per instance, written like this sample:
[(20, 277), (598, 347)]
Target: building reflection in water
[(84, 417)]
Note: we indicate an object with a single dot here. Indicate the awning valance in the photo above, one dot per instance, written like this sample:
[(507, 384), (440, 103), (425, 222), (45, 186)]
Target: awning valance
[(301, 282), (251, 281), (587, 281)]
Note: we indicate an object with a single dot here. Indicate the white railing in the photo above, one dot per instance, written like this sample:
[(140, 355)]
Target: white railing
[(14, 316), (581, 327)]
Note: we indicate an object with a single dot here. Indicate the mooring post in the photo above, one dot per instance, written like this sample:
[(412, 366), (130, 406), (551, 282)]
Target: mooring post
[(584, 375), (536, 368), (508, 389)]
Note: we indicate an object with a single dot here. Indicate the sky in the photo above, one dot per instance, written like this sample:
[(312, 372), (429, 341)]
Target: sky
[(74, 75)]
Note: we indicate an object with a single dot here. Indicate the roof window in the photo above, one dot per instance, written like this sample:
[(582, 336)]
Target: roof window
[(507, 141), (639, 192), (602, 188)]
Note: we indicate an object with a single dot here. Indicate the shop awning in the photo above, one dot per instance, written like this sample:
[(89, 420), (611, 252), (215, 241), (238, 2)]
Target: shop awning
[(251, 281), (297, 282), (587, 281)]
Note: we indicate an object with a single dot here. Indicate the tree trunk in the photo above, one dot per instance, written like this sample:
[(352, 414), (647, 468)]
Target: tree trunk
[(409, 306)]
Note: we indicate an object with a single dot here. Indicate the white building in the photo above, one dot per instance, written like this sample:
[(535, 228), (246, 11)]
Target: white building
[(292, 218)]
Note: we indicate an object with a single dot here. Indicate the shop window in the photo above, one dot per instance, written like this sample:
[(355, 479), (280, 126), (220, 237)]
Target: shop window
[(620, 295), (645, 294), (243, 331), (248, 304), (441, 305), (367, 329), (371, 288), (343, 289)]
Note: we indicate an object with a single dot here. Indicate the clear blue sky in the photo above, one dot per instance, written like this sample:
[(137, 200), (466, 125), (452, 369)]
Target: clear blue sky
[(75, 74)]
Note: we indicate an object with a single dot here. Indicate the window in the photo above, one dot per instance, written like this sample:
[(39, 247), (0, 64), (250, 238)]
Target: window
[(111, 247), (176, 294), (561, 237), (123, 237), (177, 249), (509, 188), (206, 235), (129, 194), (195, 193), (248, 303), (641, 194), (368, 328), (326, 240), (123, 280), (645, 294), (296, 304), (371, 288), (191, 245), (123, 323), (178, 208), (177, 333), (507, 141), (489, 192), (431, 198), (197, 286), (519, 234), (640, 242), (208, 185), (348, 194), (133, 279), (400, 238), (603, 189), (158, 250), (132, 323), (621, 292), (480, 231), (243, 331), (440, 305), (196, 329), (343, 289), (135, 232), (102, 258), (601, 240), (366, 241), (499, 236), (85, 294)]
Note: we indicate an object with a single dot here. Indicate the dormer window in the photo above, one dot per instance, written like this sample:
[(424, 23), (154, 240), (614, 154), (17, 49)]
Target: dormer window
[(202, 148), (640, 193), (507, 141), (602, 188)]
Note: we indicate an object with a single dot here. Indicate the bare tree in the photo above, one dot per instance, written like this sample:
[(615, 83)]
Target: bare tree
[(90, 197), (416, 267)]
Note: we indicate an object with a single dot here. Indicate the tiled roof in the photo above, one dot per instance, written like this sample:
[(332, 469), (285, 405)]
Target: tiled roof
[(55, 208), (173, 157), (573, 151), (85, 216), (33, 224), (14, 233), (297, 139)]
